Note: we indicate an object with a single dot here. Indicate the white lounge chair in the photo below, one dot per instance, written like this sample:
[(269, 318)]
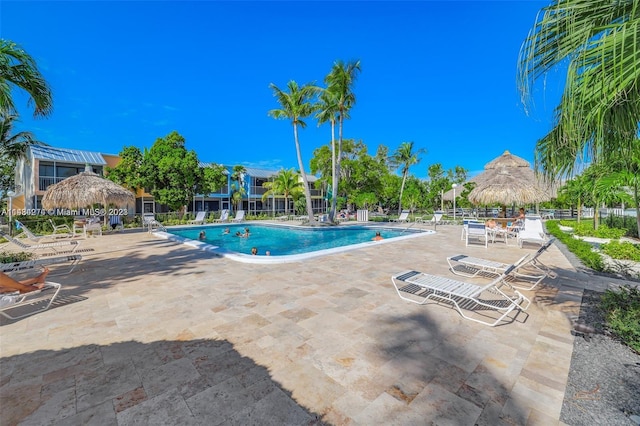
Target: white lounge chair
[(224, 216), (68, 244), (38, 300), (200, 217), (239, 216), (73, 259), (60, 230), (468, 266), (436, 219), (533, 231), (477, 230), (149, 221), (30, 235), (404, 217), (487, 300)]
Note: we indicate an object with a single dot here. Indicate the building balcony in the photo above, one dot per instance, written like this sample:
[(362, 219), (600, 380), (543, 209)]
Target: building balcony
[(45, 182)]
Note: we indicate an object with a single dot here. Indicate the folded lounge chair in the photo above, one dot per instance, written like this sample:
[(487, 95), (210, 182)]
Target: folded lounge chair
[(31, 303), (73, 259), (68, 244), (468, 266), (488, 300)]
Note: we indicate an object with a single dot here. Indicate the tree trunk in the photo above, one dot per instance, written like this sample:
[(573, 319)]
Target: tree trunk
[(334, 177), (307, 192), (334, 200), (404, 178)]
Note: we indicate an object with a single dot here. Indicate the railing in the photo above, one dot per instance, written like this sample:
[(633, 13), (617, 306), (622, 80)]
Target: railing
[(47, 181)]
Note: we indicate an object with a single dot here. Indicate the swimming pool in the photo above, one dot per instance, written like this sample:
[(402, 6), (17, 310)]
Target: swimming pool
[(286, 243)]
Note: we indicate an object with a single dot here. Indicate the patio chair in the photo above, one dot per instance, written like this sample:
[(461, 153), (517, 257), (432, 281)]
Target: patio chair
[(53, 246), (60, 228), (465, 226), (73, 259), (38, 300), (200, 217), (533, 231), (149, 221), (239, 216), (404, 217), (477, 230), (488, 300), (224, 216), (471, 267)]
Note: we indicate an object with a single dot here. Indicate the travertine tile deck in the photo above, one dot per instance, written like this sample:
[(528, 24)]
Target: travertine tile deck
[(152, 332)]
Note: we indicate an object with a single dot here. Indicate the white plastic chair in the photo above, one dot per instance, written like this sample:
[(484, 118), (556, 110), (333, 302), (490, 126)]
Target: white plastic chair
[(533, 231)]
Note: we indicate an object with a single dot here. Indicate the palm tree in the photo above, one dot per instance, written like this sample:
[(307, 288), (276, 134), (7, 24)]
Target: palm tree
[(19, 69), (405, 157), (285, 183), (340, 83), (599, 111), (237, 187), (14, 146), (296, 105), (328, 111)]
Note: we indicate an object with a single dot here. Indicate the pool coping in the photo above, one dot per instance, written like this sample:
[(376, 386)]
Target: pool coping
[(218, 251)]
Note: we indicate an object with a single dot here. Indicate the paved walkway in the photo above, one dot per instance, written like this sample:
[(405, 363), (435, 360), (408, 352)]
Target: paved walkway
[(151, 332)]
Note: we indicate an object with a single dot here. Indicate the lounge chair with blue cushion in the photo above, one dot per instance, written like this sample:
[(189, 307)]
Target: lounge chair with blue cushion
[(472, 301)]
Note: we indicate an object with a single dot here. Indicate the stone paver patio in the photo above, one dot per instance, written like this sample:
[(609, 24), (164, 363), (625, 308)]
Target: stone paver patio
[(148, 331)]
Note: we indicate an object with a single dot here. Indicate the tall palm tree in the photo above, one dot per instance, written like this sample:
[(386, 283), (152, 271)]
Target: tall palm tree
[(295, 105), (328, 111), (285, 183), (19, 69), (340, 83), (237, 187), (404, 158), (599, 110)]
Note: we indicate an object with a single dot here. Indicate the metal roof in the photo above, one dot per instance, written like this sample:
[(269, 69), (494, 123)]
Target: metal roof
[(66, 155)]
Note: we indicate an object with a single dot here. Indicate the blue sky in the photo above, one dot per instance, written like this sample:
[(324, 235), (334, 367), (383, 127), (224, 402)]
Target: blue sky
[(441, 74)]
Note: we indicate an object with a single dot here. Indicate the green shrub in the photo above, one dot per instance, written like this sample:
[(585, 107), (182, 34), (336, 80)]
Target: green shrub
[(622, 314), (10, 257), (581, 249), (622, 250)]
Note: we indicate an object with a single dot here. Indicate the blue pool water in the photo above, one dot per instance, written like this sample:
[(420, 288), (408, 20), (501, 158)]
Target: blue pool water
[(284, 240)]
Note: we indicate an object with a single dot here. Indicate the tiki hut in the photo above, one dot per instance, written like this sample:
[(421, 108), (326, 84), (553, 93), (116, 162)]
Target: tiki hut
[(506, 180), (85, 190)]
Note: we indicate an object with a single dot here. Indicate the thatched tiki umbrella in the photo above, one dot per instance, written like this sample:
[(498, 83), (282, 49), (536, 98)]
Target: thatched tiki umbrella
[(506, 187), (84, 190)]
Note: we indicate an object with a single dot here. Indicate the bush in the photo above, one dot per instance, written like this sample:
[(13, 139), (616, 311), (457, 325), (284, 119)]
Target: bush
[(622, 250), (9, 257), (622, 314), (581, 249)]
